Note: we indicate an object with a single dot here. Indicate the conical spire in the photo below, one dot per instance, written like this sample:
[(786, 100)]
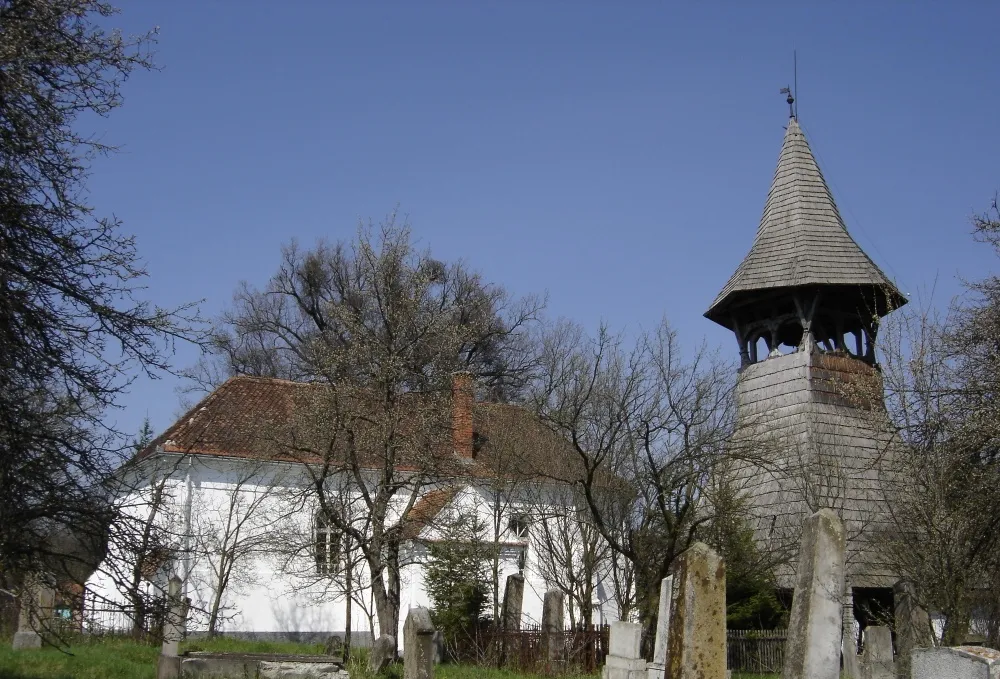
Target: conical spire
[(801, 240)]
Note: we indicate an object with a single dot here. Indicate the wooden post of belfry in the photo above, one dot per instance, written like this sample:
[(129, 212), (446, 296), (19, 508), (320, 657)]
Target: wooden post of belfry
[(168, 665)]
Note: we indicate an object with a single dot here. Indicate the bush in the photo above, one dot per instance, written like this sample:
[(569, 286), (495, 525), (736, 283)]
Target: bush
[(458, 583)]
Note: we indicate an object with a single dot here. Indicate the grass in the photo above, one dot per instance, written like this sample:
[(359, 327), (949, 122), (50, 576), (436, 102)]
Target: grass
[(110, 658), (233, 645)]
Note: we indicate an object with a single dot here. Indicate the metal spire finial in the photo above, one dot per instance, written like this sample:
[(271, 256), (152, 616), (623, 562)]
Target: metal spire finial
[(793, 90), (790, 100)]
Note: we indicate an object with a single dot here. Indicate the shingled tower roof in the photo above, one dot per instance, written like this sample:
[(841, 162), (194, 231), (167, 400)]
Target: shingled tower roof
[(802, 240)]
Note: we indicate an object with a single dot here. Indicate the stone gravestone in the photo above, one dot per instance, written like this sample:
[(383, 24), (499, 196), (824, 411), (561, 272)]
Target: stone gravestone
[(815, 629), (624, 659), (962, 662), (438, 647), (381, 654), (552, 625), (913, 626), (37, 602), (168, 665), (418, 645), (849, 645), (876, 661), (696, 640), (334, 646), (513, 599), (657, 668)]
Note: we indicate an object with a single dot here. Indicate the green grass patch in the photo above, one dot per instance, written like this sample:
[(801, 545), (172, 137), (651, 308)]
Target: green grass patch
[(109, 659), (224, 644), (115, 658)]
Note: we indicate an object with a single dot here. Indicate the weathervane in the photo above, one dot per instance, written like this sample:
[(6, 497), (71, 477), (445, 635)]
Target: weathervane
[(790, 100), (791, 91)]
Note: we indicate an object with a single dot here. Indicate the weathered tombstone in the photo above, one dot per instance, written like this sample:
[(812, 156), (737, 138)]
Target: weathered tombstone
[(418, 645), (962, 662), (334, 646), (37, 601), (438, 647), (913, 626), (849, 646), (696, 640), (513, 599), (876, 661), (815, 631), (168, 665), (624, 659), (381, 654), (657, 668), (552, 625)]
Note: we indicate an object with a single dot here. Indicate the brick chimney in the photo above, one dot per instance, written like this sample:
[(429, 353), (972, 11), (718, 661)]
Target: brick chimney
[(461, 413)]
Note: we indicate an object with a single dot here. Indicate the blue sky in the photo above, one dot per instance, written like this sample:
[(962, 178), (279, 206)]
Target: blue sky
[(615, 156)]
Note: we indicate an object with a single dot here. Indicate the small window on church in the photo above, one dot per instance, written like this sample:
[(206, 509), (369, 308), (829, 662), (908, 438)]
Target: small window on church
[(518, 526), (328, 543)]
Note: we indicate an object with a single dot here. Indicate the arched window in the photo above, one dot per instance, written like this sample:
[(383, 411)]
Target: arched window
[(328, 546)]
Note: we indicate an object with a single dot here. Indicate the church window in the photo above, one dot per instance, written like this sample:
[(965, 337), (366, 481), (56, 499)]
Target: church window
[(328, 546), (518, 526)]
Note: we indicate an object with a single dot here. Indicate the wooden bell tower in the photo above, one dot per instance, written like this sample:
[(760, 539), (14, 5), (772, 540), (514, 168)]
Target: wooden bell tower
[(804, 306)]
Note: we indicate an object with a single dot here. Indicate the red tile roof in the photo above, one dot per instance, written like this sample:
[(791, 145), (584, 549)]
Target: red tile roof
[(256, 417), (426, 509)]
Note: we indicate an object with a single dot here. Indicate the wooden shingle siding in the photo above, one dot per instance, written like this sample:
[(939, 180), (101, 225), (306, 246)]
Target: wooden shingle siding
[(797, 402)]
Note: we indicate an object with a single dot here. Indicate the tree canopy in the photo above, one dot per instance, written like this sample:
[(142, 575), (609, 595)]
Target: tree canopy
[(73, 327)]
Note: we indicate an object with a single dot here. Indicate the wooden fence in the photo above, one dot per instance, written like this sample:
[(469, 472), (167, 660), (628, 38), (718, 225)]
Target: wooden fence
[(582, 651), (759, 651), (577, 651)]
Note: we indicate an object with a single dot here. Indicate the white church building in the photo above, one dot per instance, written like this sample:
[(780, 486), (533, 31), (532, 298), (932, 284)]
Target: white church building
[(243, 530)]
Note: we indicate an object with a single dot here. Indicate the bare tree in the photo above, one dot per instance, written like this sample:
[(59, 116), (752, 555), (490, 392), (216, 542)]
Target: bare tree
[(648, 426), (943, 469), (73, 329), (939, 371), (571, 553), (145, 535), (379, 327)]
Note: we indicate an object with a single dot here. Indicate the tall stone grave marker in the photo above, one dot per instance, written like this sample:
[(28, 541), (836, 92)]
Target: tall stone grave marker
[(815, 631), (696, 639), (513, 599), (418, 645), (876, 662), (657, 668), (913, 626), (961, 662), (37, 602), (381, 654), (624, 659), (849, 645), (168, 665), (552, 625)]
